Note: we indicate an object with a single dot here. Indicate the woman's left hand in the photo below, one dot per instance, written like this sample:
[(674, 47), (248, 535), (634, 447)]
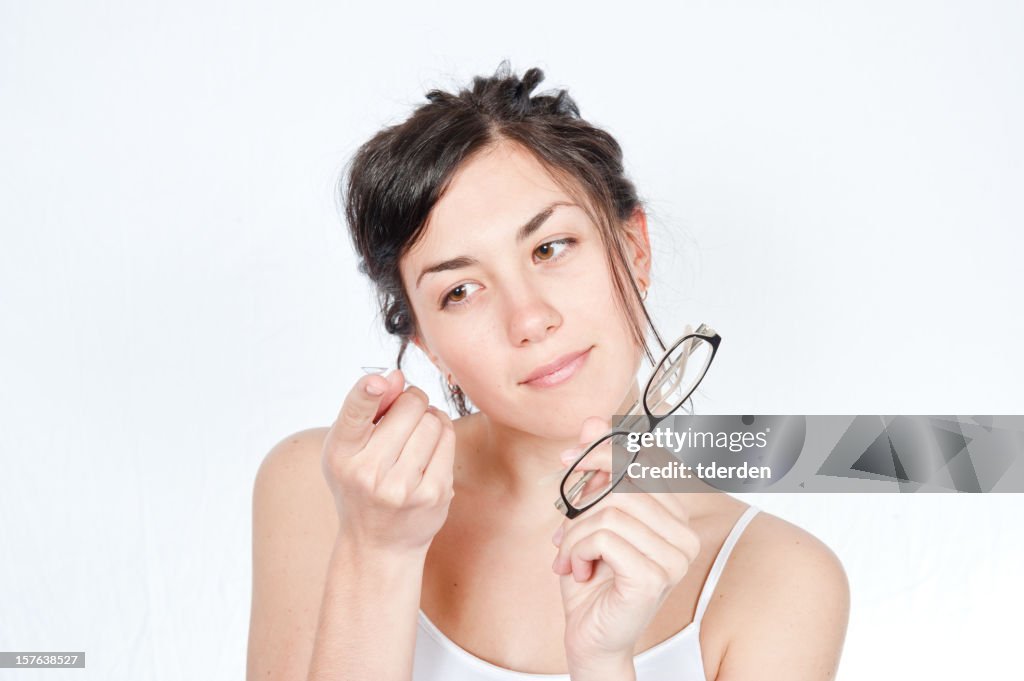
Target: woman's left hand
[(618, 562)]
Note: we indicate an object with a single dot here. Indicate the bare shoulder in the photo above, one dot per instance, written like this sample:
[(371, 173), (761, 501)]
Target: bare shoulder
[(293, 526), (290, 488), (786, 598), (293, 460), (776, 549)]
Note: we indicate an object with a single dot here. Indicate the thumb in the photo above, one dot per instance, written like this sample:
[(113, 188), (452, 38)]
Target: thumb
[(361, 406), (593, 427)]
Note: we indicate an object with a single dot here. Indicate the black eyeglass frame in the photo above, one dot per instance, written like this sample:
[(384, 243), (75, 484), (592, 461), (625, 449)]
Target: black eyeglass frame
[(703, 332)]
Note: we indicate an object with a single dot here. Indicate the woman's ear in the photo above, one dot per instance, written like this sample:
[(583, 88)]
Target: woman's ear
[(418, 342), (638, 245)]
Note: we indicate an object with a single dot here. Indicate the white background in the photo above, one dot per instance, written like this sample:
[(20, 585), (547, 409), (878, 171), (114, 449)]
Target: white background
[(834, 187)]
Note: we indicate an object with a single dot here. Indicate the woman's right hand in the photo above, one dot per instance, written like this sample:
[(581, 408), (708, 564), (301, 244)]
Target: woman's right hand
[(392, 478)]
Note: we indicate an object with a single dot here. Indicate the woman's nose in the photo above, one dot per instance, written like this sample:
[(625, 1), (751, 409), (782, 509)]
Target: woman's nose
[(531, 317)]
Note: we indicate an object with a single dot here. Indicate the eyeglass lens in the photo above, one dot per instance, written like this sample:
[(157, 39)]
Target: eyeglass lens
[(676, 375), (672, 382)]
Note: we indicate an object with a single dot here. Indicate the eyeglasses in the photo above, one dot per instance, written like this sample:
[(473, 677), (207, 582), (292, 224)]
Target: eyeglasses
[(672, 382)]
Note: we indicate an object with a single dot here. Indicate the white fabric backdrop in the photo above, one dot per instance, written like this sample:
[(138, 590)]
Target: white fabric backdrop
[(834, 187)]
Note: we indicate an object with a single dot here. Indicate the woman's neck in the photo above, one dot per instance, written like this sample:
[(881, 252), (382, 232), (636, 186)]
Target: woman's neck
[(517, 466)]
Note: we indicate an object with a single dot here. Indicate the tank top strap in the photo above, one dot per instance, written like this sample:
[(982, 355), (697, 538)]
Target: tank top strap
[(719, 565)]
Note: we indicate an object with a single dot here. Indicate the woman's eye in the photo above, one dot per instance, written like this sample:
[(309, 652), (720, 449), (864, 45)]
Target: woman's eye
[(456, 296), (546, 250)]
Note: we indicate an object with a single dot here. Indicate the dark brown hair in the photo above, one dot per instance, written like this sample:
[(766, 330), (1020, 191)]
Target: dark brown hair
[(394, 180)]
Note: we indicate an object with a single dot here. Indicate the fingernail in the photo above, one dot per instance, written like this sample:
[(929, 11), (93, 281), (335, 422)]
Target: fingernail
[(405, 381), (569, 455), (580, 575), (557, 536), (373, 389)]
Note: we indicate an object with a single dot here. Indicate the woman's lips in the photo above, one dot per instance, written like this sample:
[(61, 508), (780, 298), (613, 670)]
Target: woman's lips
[(560, 375)]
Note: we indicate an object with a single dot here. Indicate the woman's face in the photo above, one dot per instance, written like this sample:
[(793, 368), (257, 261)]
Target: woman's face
[(523, 281)]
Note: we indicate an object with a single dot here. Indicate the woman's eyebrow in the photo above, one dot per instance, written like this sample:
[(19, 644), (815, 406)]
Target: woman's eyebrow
[(522, 234)]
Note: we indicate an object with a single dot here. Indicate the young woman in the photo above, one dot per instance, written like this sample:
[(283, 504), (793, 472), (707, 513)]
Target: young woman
[(506, 243)]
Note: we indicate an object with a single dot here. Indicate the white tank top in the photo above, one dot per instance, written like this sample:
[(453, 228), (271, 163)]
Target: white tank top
[(438, 658)]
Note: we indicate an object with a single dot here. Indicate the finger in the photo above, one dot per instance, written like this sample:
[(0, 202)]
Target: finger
[(593, 427), (649, 459), (599, 482), (656, 490), (598, 458), (415, 455), (440, 470), (658, 541), (354, 422), (396, 426), (674, 527), (396, 384), (628, 563)]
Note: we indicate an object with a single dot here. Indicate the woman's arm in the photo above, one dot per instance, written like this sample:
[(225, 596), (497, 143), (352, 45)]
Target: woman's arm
[(319, 602), (293, 528), (342, 521), (790, 599), (367, 624)]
